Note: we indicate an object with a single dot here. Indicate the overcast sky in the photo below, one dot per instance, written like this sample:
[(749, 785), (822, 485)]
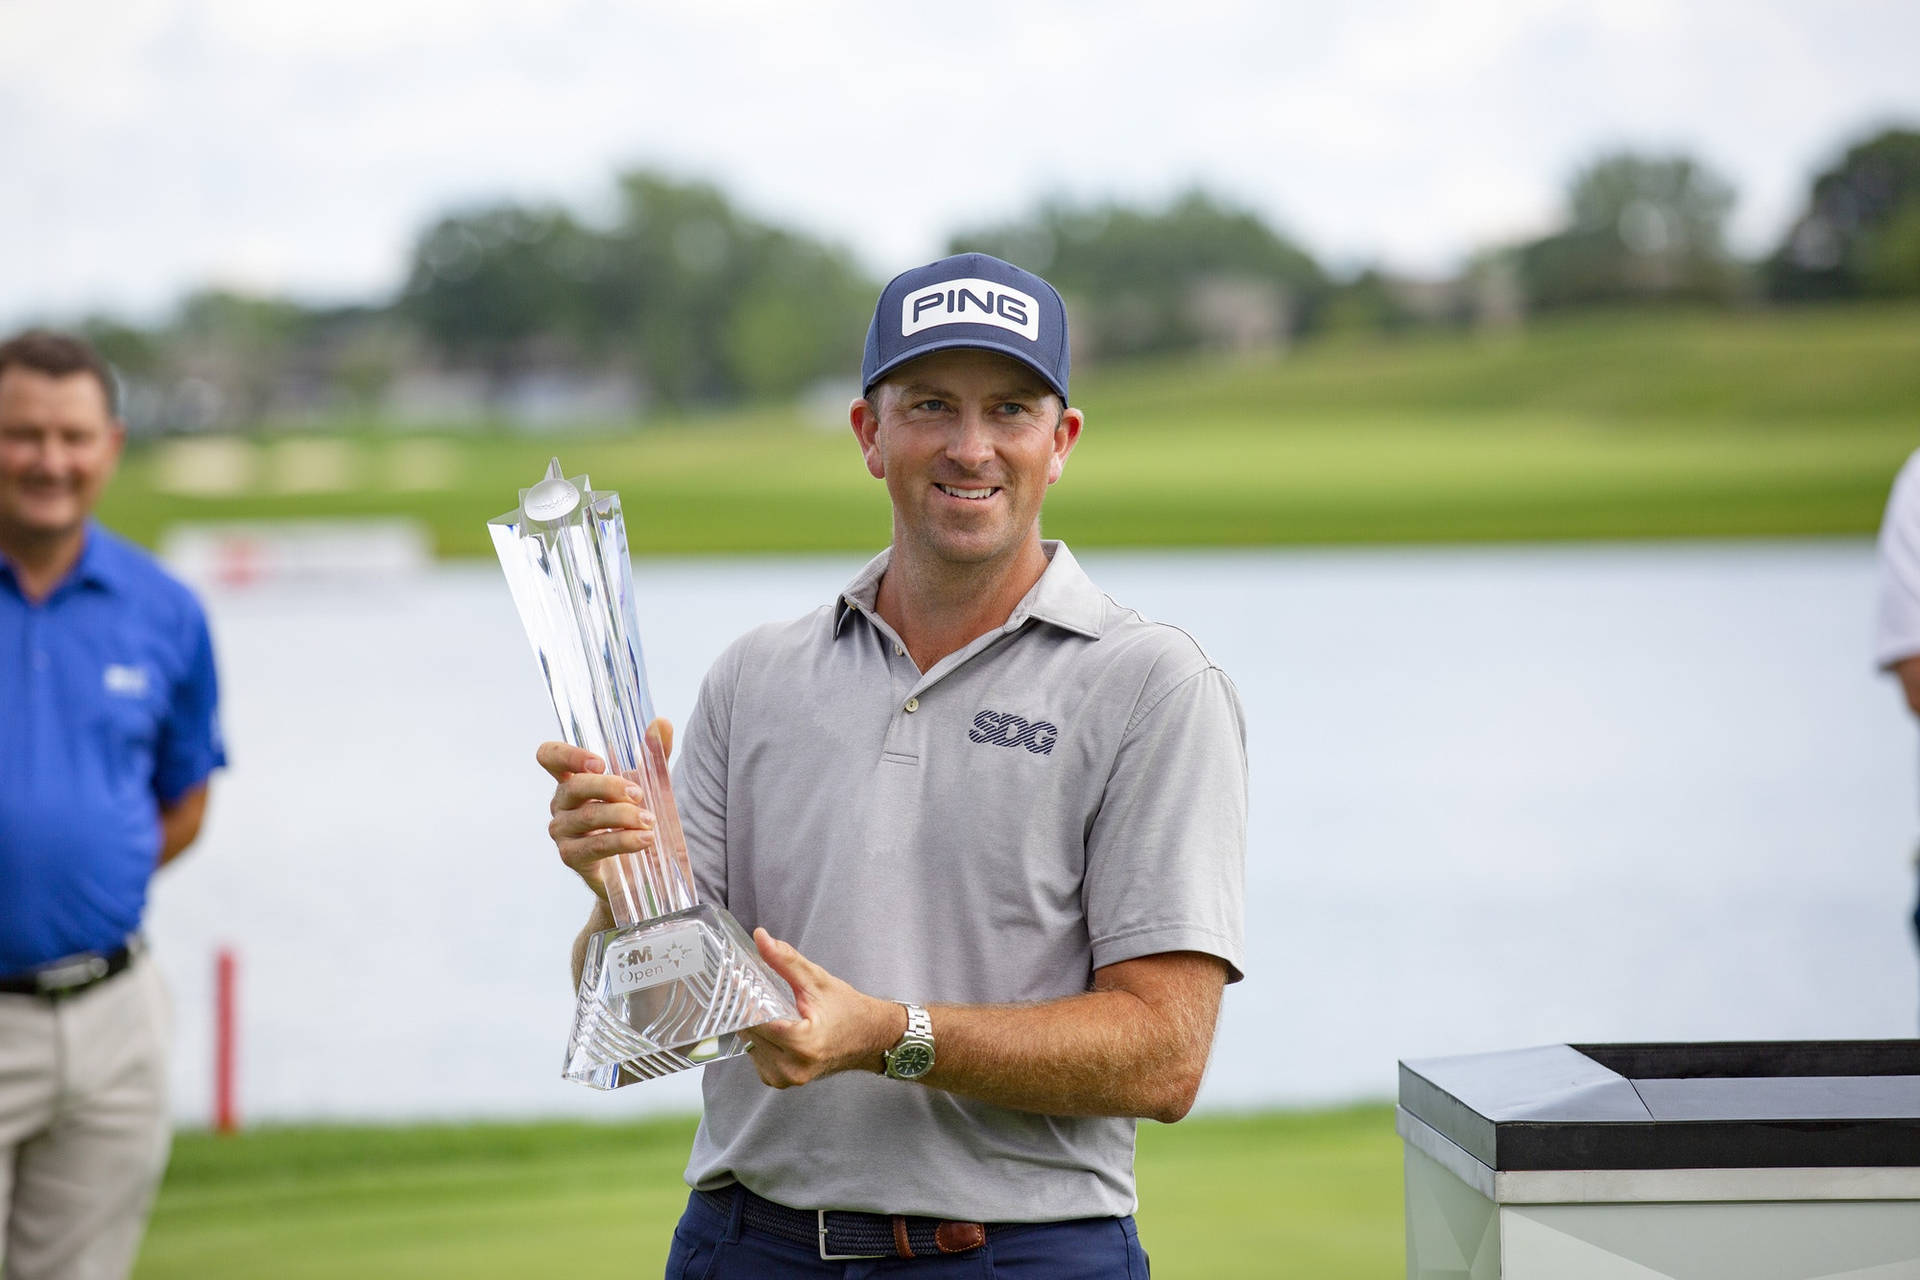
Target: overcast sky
[(150, 146)]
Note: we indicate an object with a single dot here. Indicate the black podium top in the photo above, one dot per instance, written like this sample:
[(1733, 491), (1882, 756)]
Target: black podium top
[(1756, 1105)]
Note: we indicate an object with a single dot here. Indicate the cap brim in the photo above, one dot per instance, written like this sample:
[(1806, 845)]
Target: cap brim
[(961, 344)]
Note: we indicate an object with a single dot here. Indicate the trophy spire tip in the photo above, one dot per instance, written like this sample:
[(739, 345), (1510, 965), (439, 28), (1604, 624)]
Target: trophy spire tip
[(551, 499)]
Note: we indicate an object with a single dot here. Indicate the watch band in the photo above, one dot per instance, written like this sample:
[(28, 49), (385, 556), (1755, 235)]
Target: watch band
[(912, 1057)]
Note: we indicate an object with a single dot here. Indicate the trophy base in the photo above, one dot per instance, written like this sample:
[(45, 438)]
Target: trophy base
[(668, 994)]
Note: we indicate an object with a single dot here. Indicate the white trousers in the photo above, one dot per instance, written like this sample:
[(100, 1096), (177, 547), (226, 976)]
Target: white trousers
[(84, 1131)]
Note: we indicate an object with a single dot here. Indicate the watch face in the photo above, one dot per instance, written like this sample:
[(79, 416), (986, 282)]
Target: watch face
[(910, 1061)]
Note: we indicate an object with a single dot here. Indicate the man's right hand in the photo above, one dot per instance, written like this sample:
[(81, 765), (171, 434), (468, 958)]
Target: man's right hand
[(597, 814)]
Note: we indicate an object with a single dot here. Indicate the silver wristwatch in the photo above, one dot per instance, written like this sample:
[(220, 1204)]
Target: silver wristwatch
[(913, 1056)]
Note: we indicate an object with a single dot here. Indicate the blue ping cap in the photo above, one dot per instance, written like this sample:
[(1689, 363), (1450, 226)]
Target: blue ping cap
[(968, 300)]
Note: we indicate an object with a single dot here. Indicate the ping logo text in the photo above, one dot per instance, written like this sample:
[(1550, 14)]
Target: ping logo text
[(970, 301)]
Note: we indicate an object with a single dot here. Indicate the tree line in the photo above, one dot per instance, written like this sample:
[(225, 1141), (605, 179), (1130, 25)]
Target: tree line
[(680, 299)]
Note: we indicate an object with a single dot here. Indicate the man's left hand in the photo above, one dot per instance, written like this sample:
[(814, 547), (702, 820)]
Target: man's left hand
[(839, 1028)]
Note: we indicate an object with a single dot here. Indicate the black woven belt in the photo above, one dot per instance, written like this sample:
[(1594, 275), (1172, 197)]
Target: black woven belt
[(69, 975), (846, 1233)]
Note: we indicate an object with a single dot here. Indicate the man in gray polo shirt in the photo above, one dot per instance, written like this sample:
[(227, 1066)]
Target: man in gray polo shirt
[(1002, 816)]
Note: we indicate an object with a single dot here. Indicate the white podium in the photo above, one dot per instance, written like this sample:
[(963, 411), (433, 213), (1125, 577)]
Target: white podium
[(1752, 1161)]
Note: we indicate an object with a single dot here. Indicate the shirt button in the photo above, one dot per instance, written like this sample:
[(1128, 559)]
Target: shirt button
[(913, 704), (899, 651)]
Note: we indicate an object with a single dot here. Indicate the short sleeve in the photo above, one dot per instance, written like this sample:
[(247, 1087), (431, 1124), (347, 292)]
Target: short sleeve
[(191, 746), (700, 779), (1166, 854), (1897, 630)]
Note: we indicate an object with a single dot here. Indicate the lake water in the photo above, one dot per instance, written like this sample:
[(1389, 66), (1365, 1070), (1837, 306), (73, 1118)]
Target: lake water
[(1501, 797)]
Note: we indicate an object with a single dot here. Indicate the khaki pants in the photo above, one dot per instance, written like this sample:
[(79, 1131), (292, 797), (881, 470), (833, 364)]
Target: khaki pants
[(84, 1131)]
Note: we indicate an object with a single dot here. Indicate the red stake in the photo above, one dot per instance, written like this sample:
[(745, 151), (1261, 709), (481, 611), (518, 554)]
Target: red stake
[(224, 1118)]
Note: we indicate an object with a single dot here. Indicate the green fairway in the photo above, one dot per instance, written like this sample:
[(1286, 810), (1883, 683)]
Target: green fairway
[(1707, 425), (1277, 1194)]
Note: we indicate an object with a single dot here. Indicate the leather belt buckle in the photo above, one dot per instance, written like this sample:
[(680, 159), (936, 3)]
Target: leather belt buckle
[(71, 975), (76, 975), (821, 1217)]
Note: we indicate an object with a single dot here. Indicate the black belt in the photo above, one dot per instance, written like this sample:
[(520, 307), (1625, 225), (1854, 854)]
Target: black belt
[(69, 975), (845, 1233)]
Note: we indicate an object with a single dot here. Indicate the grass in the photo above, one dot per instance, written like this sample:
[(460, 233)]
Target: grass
[(1274, 1194), (1612, 426), (1605, 427)]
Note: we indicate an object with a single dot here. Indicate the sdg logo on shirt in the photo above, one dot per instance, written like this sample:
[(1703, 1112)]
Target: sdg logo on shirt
[(1000, 729)]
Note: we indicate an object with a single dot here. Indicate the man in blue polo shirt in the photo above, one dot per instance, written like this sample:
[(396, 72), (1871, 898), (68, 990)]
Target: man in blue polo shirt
[(107, 738)]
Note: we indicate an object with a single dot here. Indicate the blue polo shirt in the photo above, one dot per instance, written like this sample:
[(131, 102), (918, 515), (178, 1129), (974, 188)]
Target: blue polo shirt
[(107, 716)]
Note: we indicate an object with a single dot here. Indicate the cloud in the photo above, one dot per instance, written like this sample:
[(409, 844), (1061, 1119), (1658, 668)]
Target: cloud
[(154, 144)]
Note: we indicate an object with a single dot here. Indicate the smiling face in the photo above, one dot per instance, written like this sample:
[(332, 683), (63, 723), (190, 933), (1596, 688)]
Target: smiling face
[(58, 445), (967, 442)]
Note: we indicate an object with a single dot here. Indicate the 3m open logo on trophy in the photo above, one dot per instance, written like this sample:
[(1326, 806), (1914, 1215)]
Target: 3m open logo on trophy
[(676, 980)]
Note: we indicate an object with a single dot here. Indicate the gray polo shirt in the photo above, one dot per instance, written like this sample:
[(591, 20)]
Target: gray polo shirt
[(1066, 792)]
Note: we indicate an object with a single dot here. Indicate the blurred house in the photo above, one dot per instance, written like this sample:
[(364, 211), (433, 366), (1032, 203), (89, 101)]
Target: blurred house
[(1240, 315)]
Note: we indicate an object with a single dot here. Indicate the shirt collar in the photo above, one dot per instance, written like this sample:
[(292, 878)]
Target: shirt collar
[(1064, 595), (98, 565)]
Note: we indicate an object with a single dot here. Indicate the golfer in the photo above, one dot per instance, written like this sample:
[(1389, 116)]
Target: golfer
[(987, 822)]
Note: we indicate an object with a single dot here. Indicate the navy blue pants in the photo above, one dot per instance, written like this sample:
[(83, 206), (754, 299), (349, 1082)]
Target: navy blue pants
[(711, 1245)]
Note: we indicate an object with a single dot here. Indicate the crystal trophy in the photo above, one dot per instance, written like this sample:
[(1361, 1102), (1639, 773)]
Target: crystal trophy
[(676, 980)]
